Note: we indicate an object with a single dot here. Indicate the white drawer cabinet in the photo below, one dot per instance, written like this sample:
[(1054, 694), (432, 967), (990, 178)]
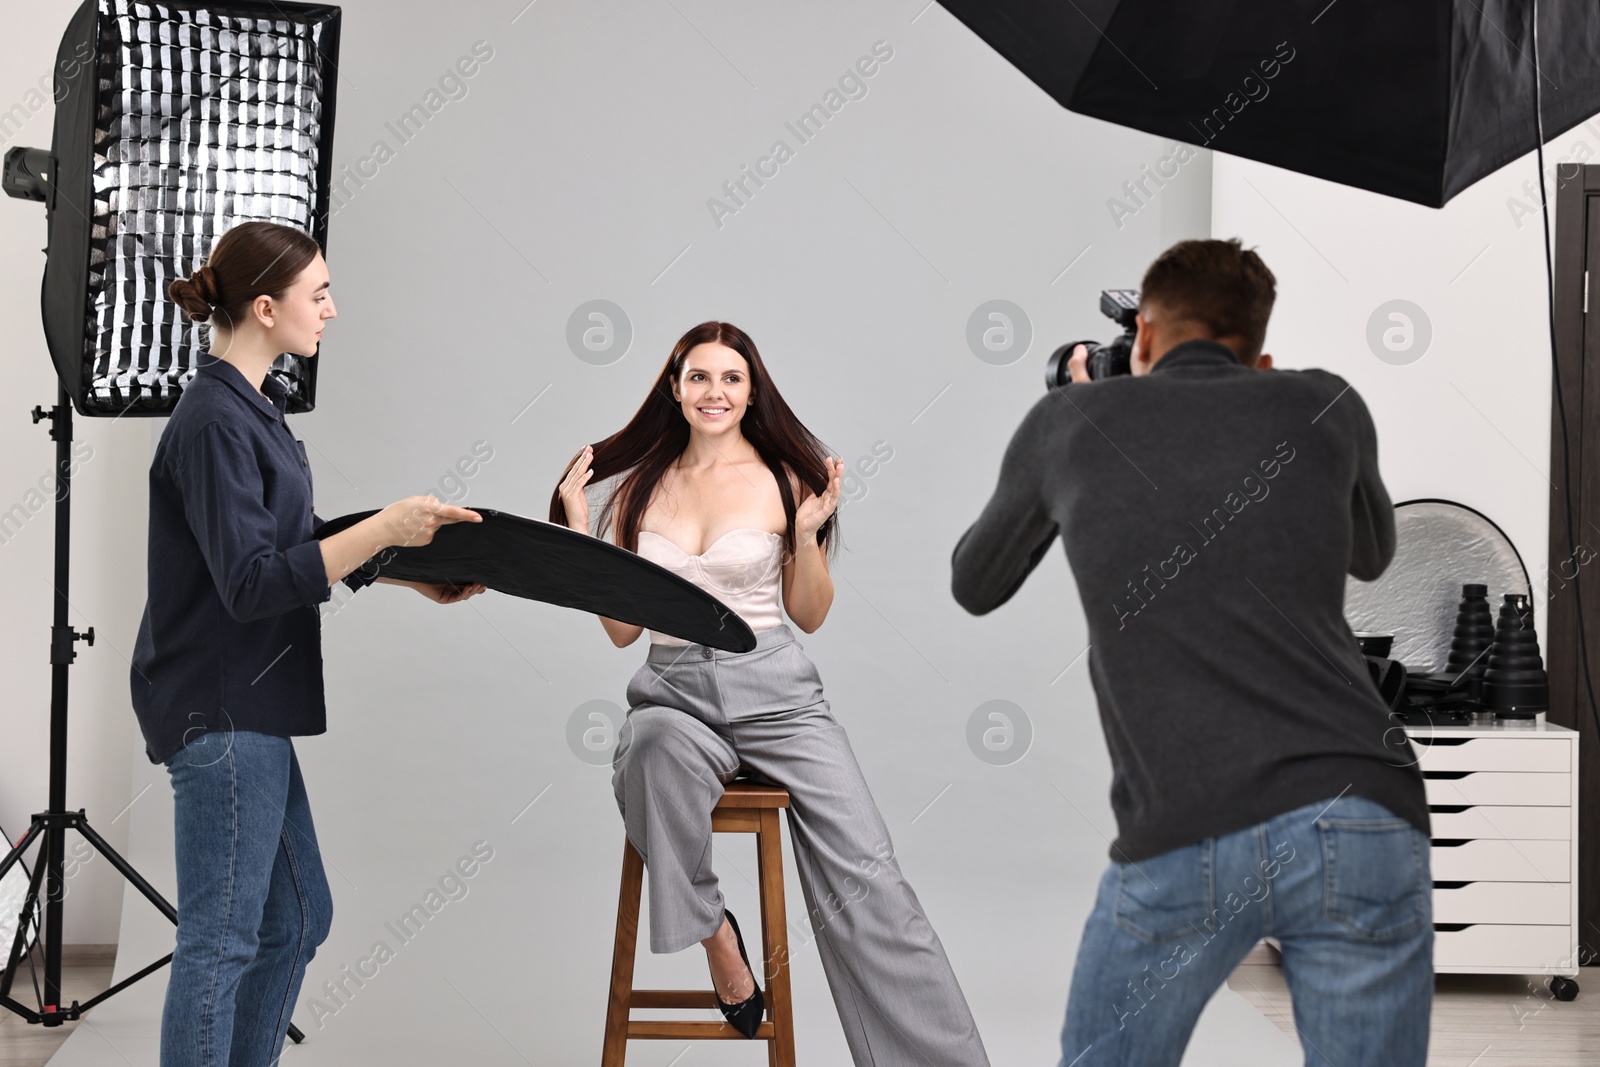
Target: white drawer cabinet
[(1506, 822), (1501, 861), (1501, 801), (1492, 754), (1533, 903), (1511, 788), (1498, 948)]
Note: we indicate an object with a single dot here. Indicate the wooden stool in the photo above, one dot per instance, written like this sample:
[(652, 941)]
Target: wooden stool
[(744, 808)]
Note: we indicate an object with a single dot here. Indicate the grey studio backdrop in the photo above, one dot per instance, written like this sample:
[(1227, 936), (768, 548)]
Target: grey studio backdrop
[(504, 169)]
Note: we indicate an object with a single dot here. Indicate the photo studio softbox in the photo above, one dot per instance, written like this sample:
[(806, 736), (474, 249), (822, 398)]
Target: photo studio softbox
[(174, 121), (1415, 100)]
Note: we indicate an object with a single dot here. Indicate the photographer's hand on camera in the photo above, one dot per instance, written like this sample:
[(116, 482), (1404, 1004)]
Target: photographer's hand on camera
[(1078, 364)]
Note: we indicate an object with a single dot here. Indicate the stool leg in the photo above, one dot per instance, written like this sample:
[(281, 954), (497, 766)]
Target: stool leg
[(775, 938), (618, 1007)]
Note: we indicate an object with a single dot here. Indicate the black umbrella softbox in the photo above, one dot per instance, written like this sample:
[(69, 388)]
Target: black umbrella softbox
[(1415, 100)]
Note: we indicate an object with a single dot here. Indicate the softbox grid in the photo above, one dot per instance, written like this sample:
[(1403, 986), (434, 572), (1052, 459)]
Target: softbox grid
[(206, 116)]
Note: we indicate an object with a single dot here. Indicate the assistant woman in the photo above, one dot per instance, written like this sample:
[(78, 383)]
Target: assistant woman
[(228, 662), (717, 480)]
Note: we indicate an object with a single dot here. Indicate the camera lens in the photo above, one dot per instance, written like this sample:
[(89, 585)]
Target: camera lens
[(1056, 371), (1104, 361)]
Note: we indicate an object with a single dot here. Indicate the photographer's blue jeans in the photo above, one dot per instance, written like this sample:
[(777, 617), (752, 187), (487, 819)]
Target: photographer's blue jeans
[(253, 903), (1344, 885)]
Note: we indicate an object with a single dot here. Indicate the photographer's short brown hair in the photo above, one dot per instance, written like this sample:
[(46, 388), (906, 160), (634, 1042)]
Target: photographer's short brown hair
[(1218, 285)]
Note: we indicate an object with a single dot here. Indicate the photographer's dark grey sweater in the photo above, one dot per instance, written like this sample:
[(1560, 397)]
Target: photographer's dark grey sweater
[(1209, 512)]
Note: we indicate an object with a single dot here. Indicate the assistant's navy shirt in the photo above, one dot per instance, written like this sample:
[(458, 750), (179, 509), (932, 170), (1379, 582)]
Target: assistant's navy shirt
[(231, 638)]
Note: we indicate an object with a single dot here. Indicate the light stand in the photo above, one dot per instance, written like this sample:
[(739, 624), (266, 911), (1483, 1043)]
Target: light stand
[(50, 827)]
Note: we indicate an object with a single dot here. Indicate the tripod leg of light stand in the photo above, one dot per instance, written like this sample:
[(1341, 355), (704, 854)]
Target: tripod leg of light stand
[(24, 918), (126, 982), (126, 870), (21, 846), (27, 914)]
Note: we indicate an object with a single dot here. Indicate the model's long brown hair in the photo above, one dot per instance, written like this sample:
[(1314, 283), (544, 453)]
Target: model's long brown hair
[(658, 433)]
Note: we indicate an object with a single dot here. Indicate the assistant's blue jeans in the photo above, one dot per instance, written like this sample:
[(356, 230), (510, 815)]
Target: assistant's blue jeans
[(253, 903), (1344, 885)]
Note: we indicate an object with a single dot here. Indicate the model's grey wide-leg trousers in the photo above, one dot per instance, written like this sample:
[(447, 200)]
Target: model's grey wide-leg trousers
[(699, 717)]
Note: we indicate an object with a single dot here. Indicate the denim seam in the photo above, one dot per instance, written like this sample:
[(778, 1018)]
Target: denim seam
[(1330, 880), (305, 930), (208, 1003), (1337, 823), (1331, 909), (1268, 919), (1208, 902)]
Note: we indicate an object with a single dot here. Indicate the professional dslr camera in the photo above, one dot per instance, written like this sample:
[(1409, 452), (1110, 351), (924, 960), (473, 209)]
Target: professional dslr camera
[(1105, 361)]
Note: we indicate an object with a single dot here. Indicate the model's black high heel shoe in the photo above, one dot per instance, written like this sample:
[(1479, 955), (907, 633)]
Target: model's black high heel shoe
[(744, 1016)]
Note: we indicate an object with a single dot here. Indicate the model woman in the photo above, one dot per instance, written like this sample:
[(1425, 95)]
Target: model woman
[(228, 664), (717, 480)]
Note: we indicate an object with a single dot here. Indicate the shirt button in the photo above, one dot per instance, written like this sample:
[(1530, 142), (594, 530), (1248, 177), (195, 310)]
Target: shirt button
[(705, 653)]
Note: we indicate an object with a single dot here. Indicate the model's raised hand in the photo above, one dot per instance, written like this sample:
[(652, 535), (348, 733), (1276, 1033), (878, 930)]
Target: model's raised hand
[(572, 494), (814, 510)]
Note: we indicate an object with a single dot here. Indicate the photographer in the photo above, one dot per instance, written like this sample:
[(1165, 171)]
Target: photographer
[(1210, 509)]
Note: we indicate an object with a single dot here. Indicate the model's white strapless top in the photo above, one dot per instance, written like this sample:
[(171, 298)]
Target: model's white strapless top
[(742, 568)]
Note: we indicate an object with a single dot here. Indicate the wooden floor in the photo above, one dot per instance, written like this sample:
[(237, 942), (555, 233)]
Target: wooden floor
[(1479, 1020), (85, 971)]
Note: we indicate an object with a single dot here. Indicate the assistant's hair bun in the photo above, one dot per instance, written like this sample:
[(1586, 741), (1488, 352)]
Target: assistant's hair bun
[(205, 283), (196, 294)]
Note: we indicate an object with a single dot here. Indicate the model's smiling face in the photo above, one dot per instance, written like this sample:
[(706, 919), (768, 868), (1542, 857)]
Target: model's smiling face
[(714, 388)]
